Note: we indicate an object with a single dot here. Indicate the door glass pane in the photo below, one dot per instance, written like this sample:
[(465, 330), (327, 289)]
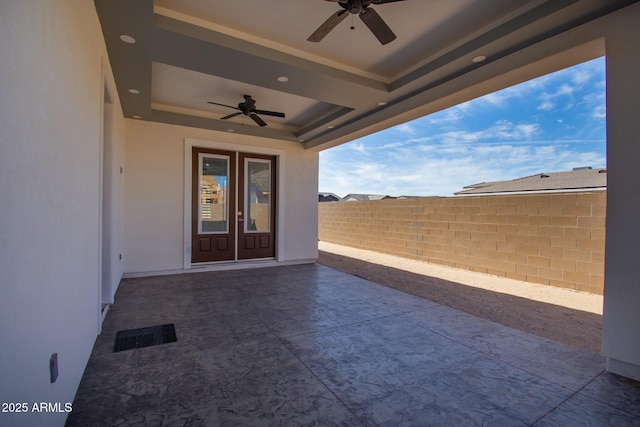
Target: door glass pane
[(258, 195), (214, 186)]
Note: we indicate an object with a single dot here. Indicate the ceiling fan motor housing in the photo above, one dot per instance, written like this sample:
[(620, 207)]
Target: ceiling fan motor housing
[(248, 105), (355, 6), (248, 108)]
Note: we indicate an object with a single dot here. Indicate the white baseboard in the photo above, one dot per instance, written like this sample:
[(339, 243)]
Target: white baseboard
[(624, 369), (219, 266)]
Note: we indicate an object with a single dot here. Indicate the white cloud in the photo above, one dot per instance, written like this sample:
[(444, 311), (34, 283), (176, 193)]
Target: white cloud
[(451, 115), (497, 99), (599, 112), (502, 130), (487, 139), (565, 90), (596, 102), (527, 130), (546, 106), (458, 136), (359, 147), (405, 128), (396, 144), (444, 170), (580, 76)]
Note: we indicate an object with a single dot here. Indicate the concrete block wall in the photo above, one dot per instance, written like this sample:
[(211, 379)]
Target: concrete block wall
[(554, 239)]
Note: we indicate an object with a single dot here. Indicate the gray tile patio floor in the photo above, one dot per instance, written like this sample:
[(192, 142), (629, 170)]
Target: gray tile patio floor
[(308, 345)]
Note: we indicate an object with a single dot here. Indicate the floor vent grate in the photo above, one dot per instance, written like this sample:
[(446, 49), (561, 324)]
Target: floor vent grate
[(144, 337)]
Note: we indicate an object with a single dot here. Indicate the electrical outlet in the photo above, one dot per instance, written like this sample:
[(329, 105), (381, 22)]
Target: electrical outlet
[(53, 367)]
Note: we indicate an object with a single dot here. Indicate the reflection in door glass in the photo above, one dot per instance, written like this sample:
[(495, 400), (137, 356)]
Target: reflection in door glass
[(214, 183), (258, 191)]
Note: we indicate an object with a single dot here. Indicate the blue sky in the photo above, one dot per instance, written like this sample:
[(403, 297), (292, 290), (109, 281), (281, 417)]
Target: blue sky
[(550, 124)]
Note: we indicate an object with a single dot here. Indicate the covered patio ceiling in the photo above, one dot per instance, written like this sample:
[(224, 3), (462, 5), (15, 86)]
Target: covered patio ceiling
[(189, 52)]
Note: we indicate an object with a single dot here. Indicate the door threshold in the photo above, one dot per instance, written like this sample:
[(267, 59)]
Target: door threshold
[(233, 262), (234, 265), (220, 266), (243, 264)]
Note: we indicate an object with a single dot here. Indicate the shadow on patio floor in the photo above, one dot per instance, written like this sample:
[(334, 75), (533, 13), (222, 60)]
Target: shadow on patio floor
[(578, 329), (310, 345)]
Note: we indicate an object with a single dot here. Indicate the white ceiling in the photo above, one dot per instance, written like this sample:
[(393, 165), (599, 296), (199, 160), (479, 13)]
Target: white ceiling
[(185, 91), (188, 52), (286, 24)]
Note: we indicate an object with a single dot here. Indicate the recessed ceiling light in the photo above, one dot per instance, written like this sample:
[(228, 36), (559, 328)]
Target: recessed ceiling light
[(134, 91), (127, 39), (381, 103), (283, 79), (479, 58), (136, 117)]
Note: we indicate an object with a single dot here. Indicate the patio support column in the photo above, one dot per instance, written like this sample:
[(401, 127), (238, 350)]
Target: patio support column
[(620, 333)]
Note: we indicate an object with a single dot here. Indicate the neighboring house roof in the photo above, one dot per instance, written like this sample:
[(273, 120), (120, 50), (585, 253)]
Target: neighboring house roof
[(352, 197), (328, 197), (262, 180), (576, 180)]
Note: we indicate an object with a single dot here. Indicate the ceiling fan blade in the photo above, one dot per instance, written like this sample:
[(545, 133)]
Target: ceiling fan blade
[(328, 25), (257, 119), (384, 1), (377, 26), (223, 105), (230, 115), (269, 113)]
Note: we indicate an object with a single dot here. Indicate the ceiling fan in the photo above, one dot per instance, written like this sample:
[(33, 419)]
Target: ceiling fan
[(248, 108), (362, 8)]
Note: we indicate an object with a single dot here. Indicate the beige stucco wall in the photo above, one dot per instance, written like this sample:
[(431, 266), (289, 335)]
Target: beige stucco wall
[(155, 194), (552, 239), (52, 82)]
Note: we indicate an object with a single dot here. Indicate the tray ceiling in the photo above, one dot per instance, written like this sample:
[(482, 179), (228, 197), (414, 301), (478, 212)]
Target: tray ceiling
[(188, 52)]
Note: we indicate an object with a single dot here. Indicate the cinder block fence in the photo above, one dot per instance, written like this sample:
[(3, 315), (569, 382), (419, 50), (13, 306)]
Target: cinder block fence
[(553, 239)]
